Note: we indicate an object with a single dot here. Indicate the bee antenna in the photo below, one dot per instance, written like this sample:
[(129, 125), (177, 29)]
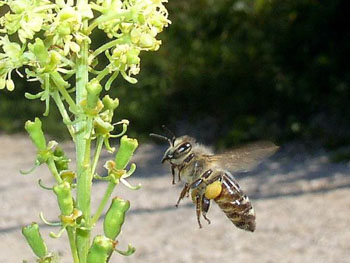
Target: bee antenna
[(161, 137), (170, 132)]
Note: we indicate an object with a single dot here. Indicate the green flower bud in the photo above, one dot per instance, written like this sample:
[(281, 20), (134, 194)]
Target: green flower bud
[(141, 18), (100, 249), (109, 103), (62, 161), (146, 41), (54, 59), (158, 23), (64, 198), (102, 127), (125, 152), (114, 218), (67, 13), (74, 47), (10, 85), (68, 176), (135, 35), (64, 29), (94, 89), (34, 239), (58, 79), (126, 27), (36, 133), (12, 49), (133, 56), (118, 51), (40, 51)]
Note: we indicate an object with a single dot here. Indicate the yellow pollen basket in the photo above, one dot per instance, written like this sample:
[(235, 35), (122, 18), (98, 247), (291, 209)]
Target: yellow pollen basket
[(213, 190)]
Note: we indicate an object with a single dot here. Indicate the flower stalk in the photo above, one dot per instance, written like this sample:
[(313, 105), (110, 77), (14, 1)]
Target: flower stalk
[(54, 47), (82, 144)]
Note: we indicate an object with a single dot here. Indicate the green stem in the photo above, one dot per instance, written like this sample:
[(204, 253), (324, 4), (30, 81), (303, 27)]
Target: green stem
[(66, 120), (52, 167), (103, 203), (102, 74), (103, 18), (108, 45), (70, 233), (72, 105), (82, 149)]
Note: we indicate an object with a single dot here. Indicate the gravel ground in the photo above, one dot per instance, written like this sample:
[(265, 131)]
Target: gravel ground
[(302, 202)]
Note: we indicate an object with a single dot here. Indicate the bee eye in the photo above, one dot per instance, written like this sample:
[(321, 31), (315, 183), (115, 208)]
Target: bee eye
[(183, 147)]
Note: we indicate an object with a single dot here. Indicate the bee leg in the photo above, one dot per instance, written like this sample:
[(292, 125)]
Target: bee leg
[(173, 173), (183, 193), (179, 173), (198, 210), (216, 178), (205, 207), (196, 183)]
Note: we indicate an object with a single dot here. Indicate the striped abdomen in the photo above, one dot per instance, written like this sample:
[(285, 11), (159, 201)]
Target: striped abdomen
[(236, 204)]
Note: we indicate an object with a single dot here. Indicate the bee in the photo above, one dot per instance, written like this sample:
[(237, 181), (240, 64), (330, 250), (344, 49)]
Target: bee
[(207, 176)]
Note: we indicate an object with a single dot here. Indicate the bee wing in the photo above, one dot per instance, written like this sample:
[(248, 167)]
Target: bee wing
[(244, 158)]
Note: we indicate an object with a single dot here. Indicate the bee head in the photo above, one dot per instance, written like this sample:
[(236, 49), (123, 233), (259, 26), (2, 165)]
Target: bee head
[(179, 147)]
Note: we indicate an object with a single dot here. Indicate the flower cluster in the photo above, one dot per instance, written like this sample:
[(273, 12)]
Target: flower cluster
[(135, 25), (11, 59), (141, 20), (27, 17), (132, 25)]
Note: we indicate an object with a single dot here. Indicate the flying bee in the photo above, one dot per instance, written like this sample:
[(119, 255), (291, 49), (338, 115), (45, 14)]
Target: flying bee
[(207, 176)]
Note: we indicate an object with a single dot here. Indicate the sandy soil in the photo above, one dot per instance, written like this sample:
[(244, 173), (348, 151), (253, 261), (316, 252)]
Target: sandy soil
[(302, 202)]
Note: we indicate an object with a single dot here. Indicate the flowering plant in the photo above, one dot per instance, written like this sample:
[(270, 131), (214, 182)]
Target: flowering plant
[(51, 40)]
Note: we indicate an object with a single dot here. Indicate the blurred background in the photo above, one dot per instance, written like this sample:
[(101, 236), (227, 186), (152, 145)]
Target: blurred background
[(232, 71), (228, 72)]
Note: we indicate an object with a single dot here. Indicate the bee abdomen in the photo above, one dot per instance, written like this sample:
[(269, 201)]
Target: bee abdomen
[(236, 205)]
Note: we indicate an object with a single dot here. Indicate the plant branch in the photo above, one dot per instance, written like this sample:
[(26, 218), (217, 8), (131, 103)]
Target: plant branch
[(66, 119), (52, 167), (102, 74), (103, 202), (71, 237), (107, 46), (72, 105), (103, 18)]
